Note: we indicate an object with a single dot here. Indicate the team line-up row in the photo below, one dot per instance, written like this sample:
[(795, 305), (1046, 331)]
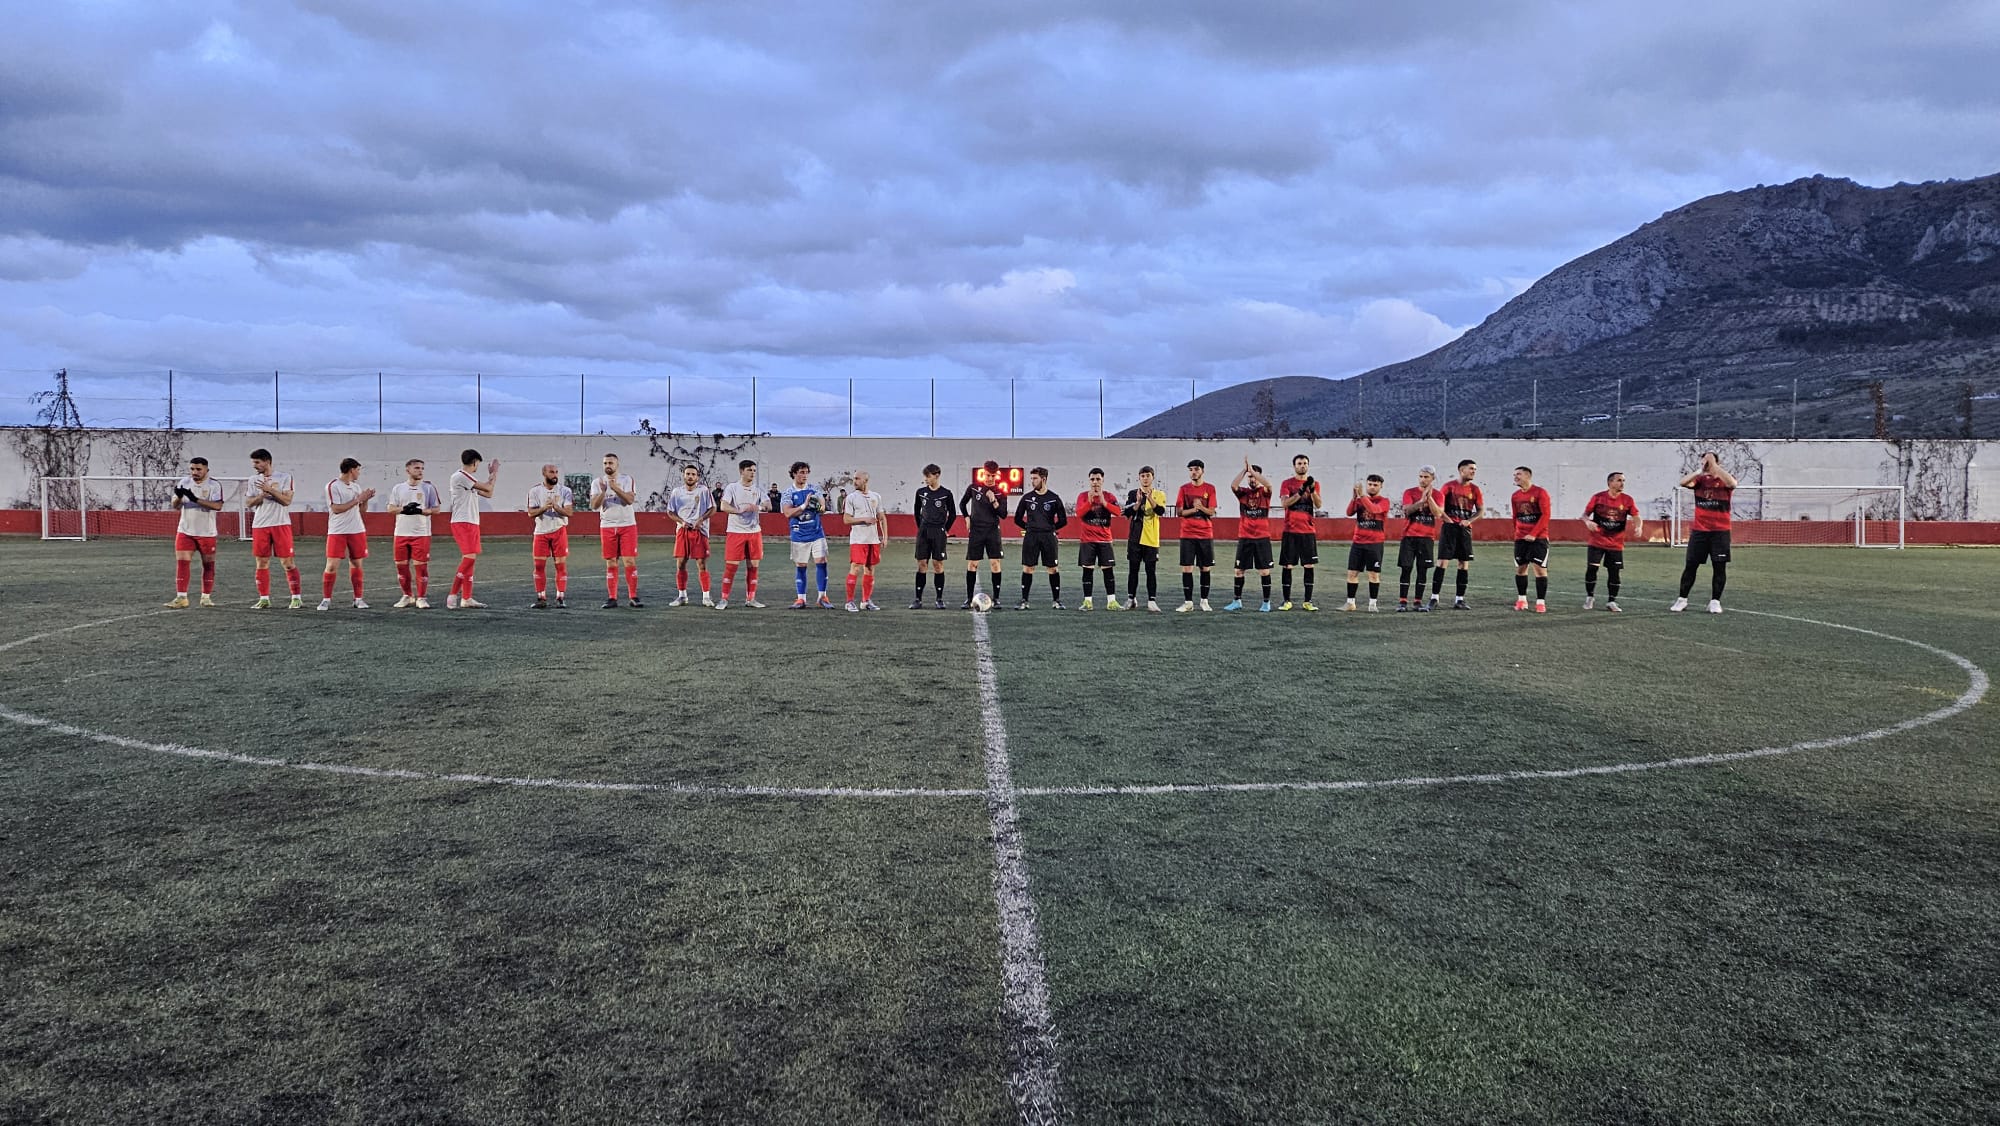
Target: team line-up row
[(1437, 532)]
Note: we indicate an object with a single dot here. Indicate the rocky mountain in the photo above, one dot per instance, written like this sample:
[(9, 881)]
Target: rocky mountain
[(1820, 308)]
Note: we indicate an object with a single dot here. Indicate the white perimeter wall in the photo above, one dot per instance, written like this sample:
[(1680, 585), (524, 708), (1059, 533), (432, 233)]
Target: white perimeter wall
[(1571, 470)]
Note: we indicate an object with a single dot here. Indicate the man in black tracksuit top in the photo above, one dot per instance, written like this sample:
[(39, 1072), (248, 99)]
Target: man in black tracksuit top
[(984, 508), (1040, 515), (935, 511)]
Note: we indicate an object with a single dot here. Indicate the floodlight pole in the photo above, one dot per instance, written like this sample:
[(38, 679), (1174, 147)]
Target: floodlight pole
[(1618, 412), (378, 402), (579, 403), (933, 406), (277, 419), (170, 398), (670, 404), (1697, 409), (1795, 409)]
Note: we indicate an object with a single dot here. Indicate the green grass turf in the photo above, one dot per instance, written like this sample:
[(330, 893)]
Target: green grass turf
[(1806, 938)]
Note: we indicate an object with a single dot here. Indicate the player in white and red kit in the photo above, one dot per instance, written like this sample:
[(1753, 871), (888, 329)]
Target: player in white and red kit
[(1609, 517), (270, 500), (690, 506), (865, 540), (615, 497), (553, 503), (466, 491), (745, 544), (346, 532), (414, 501), (198, 499), (1713, 488), (1530, 505)]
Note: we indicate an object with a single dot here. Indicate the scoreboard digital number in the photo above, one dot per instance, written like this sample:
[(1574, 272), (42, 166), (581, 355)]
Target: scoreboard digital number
[(1007, 480)]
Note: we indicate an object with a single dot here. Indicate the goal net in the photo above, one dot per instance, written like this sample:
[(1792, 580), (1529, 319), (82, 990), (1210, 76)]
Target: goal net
[(1809, 515), (77, 508)]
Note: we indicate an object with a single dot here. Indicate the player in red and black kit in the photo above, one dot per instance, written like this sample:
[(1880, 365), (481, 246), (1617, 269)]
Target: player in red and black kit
[(1713, 487), (1370, 510), (1299, 497), (935, 512), (1463, 502), (1253, 532), (1609, 517), (1195, 504), (1421, 508), (1095, 509), (1530, 505)]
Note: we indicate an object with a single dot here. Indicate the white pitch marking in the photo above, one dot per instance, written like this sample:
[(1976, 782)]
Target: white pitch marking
[(1974, 692), (1031, 1030)]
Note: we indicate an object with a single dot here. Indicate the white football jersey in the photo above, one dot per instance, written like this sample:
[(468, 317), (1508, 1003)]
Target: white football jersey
[(736, 494), (612, 512), (347, 523), (692, 506), (197, 521), (464, 499), (540, 494), (270, 514), (423, 493), (866, 506)]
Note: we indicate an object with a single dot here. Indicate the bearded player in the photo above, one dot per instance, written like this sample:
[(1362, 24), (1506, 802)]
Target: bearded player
[(346, 532), (270, 501), (1609, 517), (1463, 502), (1299, 497), (198, 499), (552, 503), (414, 501), (615, 495), (690, 505)]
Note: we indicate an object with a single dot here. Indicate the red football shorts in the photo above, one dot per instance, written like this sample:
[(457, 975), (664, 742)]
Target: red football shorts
[(353, 545), (412, 549), (275, 540), (466, 536), (620, 541), (554, 543), (866, 554), (203, 544), (744, 546), (690, 544)]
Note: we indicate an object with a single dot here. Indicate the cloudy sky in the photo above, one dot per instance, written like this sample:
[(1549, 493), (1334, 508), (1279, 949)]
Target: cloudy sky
[(1157, 192)]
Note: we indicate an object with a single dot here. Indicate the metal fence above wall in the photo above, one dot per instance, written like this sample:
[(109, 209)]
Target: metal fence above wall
[(1040, 408)]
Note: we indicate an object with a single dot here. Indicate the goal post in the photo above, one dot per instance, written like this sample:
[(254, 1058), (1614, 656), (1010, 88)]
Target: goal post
[(1805, 515), (91, 507)]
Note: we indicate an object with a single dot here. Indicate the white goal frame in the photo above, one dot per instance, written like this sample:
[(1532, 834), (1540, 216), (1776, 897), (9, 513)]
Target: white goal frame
[(238, 487), (1856, 514)]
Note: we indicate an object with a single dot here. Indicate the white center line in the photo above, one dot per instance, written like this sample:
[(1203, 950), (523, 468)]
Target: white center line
[(1024, 979)]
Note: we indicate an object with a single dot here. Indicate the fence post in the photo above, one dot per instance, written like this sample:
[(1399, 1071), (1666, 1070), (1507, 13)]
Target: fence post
[(378, 402), (1444, 408), (934, 406), (581, 426), (1795, 408), (1100, 408), (850, 406), (1697, 408), (753, 405), (170, 398), (1618, 412), (1010, 408), (277, 417), (670, 404), (1535, 405)]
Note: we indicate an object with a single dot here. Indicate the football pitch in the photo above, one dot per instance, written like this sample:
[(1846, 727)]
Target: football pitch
[(583, 866)]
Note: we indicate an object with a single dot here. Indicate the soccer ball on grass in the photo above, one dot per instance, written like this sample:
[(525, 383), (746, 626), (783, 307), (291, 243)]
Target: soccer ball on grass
[(982, 601)]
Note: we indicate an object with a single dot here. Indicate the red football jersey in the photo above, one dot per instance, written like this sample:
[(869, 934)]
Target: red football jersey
[(1608, 517), (1095, 518), (1531, 513), (1297, 520), (1711, 504), (1371, 518), (1462, 502), (1196, 527), (1253, 513), (1423, 525)]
